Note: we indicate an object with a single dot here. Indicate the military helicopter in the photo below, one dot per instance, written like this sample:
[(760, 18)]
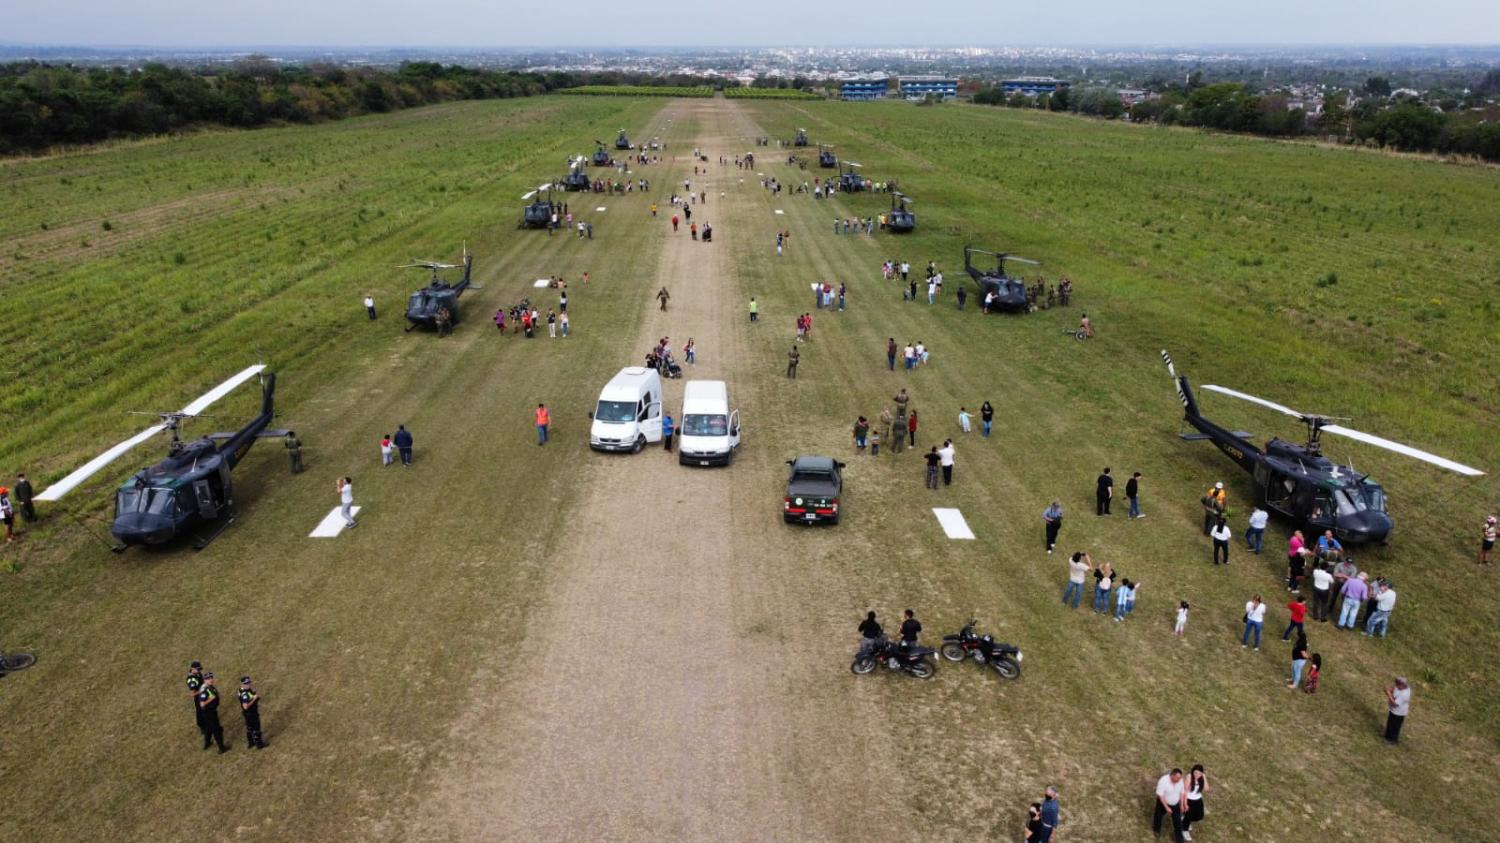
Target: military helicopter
[(622, 142), (850, 181), (537, 214), (801, 139), (826, 159), (576, 179), (422, 307), (901, 219), (189, 491), (601, 155), (1010, 293), (1298, 481)]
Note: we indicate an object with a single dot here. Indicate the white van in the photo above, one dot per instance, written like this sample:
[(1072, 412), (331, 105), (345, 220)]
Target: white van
[(628, 414), (708, 432)]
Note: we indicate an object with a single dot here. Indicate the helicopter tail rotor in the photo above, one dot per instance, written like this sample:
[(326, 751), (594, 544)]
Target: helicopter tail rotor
[(1184, 392)]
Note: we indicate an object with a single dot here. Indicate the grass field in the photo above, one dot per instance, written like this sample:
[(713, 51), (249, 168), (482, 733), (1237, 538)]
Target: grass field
[(527, 643)]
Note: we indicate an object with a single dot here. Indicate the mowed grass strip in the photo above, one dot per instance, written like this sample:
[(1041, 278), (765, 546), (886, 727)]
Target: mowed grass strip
[(1104, 707)]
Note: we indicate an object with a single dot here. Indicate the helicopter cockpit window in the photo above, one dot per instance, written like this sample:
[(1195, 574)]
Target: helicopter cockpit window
[(128, 500), (1348, 504), (1374, 497), (161, 502)]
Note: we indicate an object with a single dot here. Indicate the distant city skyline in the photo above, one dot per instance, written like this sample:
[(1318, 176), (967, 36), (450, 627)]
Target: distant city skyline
[(655, 24)]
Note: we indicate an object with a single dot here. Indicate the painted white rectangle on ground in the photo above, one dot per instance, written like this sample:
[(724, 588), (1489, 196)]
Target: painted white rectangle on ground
[(779, 211), (332, 524), (953, 523), (600, 209), (541, 282)]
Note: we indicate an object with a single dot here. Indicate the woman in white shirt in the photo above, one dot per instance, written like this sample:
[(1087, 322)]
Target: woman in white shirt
[(1255, 619), (1220, 534), (1197, 785)]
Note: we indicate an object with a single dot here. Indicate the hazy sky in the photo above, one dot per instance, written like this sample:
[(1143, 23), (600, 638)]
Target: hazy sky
[(624, 23)]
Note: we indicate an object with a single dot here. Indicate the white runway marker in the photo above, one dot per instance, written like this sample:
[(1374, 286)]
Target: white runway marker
[(600, 209), (780, 212), (541, 282), (953, 523), (332, 524)]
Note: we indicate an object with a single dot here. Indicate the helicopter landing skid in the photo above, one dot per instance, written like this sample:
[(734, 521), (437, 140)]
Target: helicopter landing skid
[(200, 542)]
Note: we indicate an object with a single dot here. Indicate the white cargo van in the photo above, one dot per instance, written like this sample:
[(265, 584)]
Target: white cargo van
[(628, 414), (708, 432)]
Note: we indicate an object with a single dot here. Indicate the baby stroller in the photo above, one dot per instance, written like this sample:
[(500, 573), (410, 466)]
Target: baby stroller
[(670, 369)]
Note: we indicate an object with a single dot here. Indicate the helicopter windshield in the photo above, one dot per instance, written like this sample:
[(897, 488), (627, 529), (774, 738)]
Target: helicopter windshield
[(161, 502), (129, 500), (1374, 496), (1347, 503)]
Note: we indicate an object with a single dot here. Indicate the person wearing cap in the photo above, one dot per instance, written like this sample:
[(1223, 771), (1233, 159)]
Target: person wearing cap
[(1486, 543), (208, 706), (28, 511), (1213, 506), (194, 685), (1398, 702), (250, 707)]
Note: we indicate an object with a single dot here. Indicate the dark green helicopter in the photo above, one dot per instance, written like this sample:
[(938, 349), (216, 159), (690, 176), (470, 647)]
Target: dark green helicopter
[(188, 493), (826, 159), (801, 138), (538, 213), (1298, 481), (622, 142), (423, 305), (850, 181), (900, 220)]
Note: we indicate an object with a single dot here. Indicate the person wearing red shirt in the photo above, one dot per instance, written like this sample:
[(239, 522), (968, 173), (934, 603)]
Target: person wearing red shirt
[(911, 428), (1298, 609)]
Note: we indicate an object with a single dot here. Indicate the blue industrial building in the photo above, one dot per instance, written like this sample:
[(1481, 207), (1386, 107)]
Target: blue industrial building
[(919, 87), (1034, 85), (866, 88)]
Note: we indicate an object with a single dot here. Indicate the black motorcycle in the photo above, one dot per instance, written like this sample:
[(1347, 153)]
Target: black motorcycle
[(913, 660), (1004, 658)]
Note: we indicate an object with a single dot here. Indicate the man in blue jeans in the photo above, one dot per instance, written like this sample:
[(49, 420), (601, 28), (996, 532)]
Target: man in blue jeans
[(1355, 590), (403, 444), (890, 354), (1133, 493), (1078, 570), (1257, 531), (1049, 816)]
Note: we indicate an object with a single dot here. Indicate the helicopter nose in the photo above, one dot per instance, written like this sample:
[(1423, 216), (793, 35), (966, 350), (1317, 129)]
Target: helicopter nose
[(142, 528), (1362, 527)]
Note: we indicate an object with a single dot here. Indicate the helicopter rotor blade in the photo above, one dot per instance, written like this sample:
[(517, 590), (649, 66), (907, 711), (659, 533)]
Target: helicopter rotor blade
[(527, 195), (1023, 260), (201, 403), (95, 465), (1253, 400), (853, 164), (1406, 450)]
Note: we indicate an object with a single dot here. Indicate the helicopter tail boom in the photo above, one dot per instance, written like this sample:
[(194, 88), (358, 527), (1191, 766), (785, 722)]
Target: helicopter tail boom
[(236, 446)]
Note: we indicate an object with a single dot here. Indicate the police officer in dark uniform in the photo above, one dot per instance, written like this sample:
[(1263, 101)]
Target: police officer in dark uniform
[(194, 685), (250, 707), (208, 707), (294, 450)]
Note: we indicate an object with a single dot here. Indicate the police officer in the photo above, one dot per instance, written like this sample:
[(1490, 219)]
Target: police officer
[(250, 707), (194, 685), (294, 450), (208, 707)]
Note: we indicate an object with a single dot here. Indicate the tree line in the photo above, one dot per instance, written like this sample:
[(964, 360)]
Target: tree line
[(1374, 119), (45, 105)]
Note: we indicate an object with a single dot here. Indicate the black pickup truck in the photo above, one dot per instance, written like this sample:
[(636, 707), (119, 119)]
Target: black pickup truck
[(812, 490)]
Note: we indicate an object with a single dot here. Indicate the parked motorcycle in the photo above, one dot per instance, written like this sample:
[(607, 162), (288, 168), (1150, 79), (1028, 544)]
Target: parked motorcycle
[(1004, 658), (913, 660)]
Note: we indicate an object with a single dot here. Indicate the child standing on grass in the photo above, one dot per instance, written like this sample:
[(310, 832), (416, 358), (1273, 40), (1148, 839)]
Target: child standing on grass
[(1182, 613), (1122, 600), (964, 419), (1313, 672), (386, 450), (874, 443)]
